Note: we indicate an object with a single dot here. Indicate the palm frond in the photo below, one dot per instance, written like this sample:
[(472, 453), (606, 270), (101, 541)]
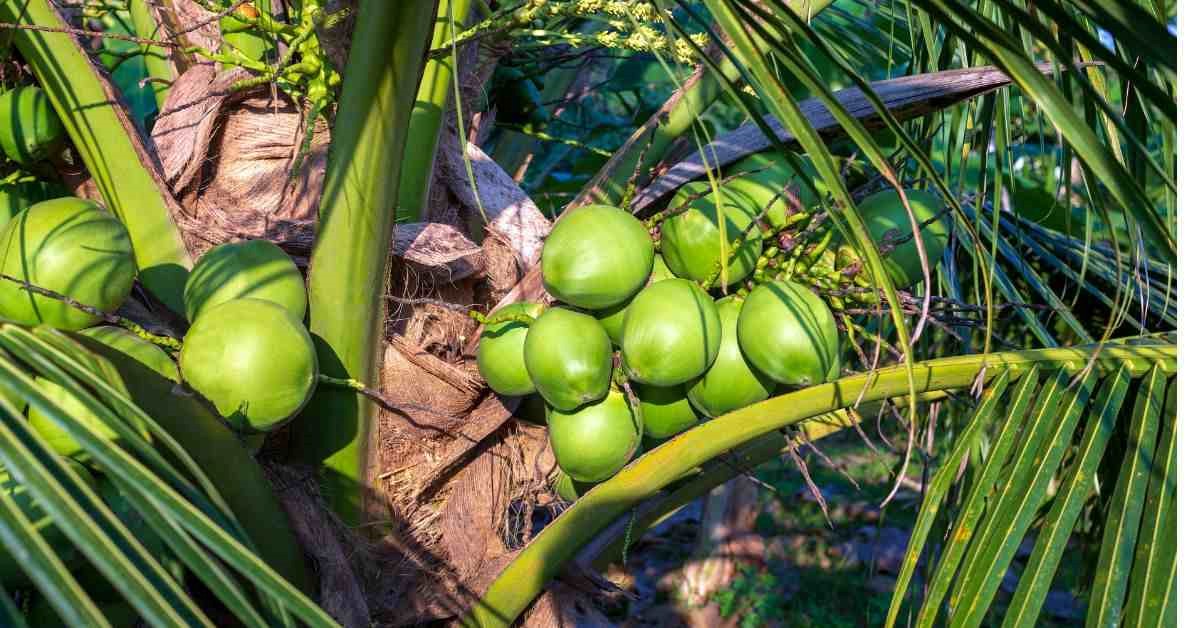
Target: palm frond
[(188, 478), (752, 436)]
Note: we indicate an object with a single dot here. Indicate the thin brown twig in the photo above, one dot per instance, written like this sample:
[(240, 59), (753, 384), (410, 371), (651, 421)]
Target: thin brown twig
[(90, 33), (112, 319), (794, 452)]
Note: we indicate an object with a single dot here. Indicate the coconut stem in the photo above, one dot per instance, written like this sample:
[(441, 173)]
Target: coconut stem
[(349, 268), (483, 319)]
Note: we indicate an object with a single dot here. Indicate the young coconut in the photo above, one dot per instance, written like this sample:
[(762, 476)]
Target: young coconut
[(596, 256), (731, 382), (71, 246), (665, 411), (253, 360), (886, 219), (613, 318), (671, 333), (501, 356), (569, 358), (237, 270), (30, 129), (593, 442), (691, 241), (135, 347), (786, 331), (766, 181)]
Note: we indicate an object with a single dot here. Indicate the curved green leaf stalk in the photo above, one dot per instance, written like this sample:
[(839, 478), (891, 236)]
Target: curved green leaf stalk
[(559, 542), (425, 124), (349, 268), (110, 146)]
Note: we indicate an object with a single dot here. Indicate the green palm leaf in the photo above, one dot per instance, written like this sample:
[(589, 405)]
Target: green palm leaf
[(186, 512), (1076, 487), (1152, 585), (1111, 580)]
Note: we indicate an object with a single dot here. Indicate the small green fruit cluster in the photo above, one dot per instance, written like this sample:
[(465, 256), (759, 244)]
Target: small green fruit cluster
[(247, 350), (682, 354)]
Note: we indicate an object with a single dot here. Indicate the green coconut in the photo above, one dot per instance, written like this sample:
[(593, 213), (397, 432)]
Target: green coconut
[(501, 356), (135, 347), (886, 217), (731, 382), (569, 358), (596, 256), (758, 181), (691, 240), (11, 570), (29, 128), (665, 411), (671, 333), (253, 360), (788, 333), (237, 270), (17, 197), (613, 318), (593, 442), (70, 246)]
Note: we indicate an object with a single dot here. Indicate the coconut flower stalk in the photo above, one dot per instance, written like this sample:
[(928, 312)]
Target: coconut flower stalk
[(349, 265), (106, 139)]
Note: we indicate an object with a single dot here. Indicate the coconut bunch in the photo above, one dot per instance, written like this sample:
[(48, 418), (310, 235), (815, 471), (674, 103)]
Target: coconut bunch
[(246, 350), (657, 326)]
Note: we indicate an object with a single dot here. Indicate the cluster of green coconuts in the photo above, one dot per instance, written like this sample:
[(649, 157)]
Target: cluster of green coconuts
[(685, 355), (246, 349)]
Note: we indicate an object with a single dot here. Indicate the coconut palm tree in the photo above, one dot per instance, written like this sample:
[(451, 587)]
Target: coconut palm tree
[(1045, 330)]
